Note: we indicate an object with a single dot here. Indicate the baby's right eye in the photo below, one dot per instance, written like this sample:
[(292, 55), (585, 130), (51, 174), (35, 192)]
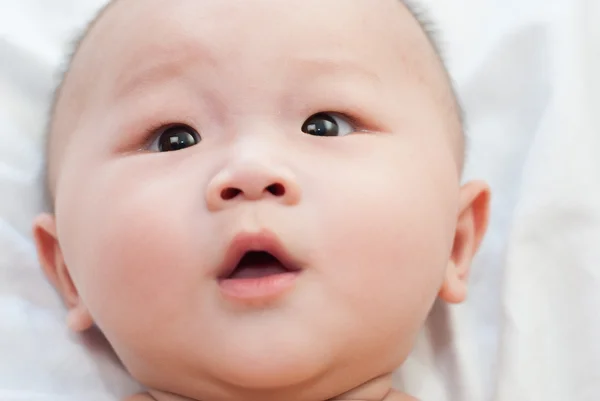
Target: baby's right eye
[(176, 137)]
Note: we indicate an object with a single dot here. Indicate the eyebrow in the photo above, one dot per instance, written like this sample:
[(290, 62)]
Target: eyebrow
[(172, 64), (165, 65), (326, 66), (128, 83)]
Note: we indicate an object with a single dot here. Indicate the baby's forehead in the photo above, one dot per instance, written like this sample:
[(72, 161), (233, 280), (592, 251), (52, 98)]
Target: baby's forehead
[(131, 34), (136, 32)]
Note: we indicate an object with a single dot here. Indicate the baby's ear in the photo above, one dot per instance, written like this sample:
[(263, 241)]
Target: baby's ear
[(51, 259), (474, 209)]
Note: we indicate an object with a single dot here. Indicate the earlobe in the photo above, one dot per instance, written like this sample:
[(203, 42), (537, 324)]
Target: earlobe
[(52, 262), (471, 226), (79, 318), (454, 288)]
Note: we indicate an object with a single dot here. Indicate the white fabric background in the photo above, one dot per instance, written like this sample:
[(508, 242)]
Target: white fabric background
[(527, 72)]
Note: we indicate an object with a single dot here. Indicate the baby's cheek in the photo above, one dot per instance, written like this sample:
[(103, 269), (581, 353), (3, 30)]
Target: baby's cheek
[(387, 242), (385, 266), (134, 256)]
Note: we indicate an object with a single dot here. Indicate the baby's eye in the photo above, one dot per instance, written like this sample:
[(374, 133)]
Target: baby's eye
[(327, 124), (176, 137)]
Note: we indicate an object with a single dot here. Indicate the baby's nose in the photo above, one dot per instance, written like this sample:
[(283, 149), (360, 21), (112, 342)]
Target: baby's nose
[(252, 182)]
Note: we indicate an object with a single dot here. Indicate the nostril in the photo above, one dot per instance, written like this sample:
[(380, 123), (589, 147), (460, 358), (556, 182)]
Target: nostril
[(230, 193), (276, 190)]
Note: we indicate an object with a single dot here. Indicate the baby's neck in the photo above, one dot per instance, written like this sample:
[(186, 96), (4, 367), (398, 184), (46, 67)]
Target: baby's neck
[(379, 389)]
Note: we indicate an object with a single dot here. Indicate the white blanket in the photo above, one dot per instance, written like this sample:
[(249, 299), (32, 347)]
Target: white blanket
[(527, 72)]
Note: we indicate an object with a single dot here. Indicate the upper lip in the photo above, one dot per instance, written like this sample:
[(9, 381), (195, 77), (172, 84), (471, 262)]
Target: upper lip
[(264, 241)]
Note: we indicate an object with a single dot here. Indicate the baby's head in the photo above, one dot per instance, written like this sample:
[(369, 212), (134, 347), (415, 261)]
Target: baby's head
[(258, 199)]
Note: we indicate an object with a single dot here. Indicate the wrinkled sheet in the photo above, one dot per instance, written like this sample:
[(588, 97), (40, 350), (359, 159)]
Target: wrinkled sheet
[(527, 73)]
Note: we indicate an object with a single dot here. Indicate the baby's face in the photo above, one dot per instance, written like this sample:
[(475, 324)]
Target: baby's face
[(314, 131)]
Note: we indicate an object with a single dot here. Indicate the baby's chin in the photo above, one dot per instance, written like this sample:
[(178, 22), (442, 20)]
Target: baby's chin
[(264, 376), (274, 370), (296, 375)]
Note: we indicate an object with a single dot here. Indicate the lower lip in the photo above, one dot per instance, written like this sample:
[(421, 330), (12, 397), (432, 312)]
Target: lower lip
[(258, 289)]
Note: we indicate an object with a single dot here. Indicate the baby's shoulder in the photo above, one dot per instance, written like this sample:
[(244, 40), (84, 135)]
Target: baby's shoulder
[(140, 397), (396, 396)]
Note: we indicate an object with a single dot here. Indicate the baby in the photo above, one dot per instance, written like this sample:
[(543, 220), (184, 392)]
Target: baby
[(258, 200)]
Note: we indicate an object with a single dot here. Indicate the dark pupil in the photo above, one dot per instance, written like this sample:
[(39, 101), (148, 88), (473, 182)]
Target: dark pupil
[(321, 125), (176, 139)]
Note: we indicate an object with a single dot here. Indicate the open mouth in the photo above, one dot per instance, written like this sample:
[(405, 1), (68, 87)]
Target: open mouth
[(257, 264), (257, 269)]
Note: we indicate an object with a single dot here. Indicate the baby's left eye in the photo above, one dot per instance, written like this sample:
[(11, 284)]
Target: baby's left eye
[(327, 124), (176, 137)]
